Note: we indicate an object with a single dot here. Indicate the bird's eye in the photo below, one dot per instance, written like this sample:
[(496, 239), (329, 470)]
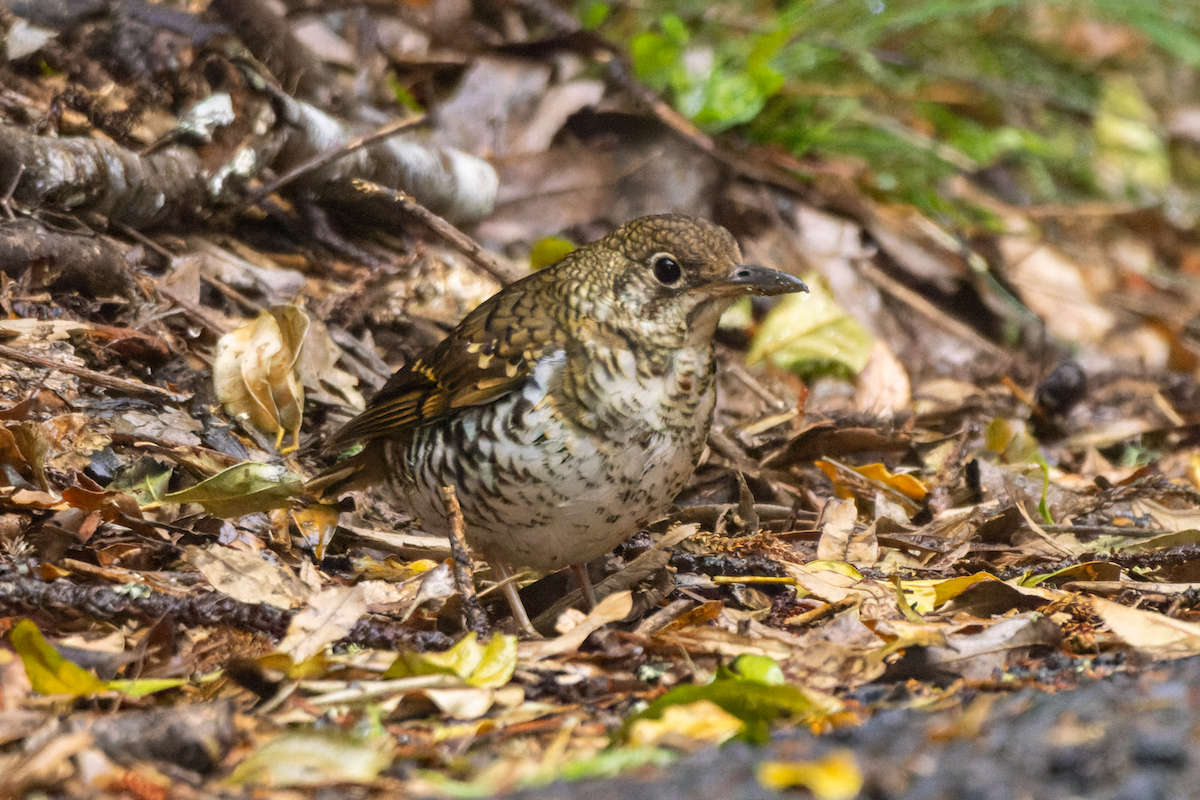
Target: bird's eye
[(667, 269)]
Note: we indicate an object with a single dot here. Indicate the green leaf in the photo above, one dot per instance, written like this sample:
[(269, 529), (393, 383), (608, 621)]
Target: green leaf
[(242, 489), (594, 15), (810, 334), (612, 762), (754, 702), (655, 59), (758, 668)]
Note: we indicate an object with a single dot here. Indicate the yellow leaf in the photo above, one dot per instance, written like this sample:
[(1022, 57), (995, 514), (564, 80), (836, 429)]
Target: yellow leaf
[(50, 673), (949, 589), (316, 523), (835, 777), (549, 251), (496, 667), (701, 722), (899, 482), (487, 666), (144, 686)]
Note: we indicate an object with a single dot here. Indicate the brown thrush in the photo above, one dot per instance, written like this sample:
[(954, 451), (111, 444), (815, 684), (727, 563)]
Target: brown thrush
[(570, 408)]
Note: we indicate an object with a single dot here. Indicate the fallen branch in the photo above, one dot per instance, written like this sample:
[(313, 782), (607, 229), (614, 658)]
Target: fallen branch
[(136, 388)]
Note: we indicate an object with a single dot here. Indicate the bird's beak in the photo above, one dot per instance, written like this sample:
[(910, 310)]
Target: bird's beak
[(750, 279)]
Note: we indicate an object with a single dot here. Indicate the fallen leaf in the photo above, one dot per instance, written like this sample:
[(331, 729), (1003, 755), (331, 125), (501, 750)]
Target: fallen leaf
[(613, 608), (686, 727), (248, 577), (1153, 634), (331, 614), (50, 673), (810, 334), (314, 758), (242, 489), (840, 542), (254, 372), (834, 777)]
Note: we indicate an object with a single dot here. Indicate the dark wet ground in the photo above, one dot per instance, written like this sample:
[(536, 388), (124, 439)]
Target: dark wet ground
[(1124, 737)]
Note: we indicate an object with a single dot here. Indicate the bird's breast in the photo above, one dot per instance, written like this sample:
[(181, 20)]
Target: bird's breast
[(568, 466)]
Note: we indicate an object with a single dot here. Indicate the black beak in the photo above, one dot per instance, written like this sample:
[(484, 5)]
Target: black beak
[(760, 280)]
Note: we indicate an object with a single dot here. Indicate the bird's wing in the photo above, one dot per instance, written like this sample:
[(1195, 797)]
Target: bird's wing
[(491, 353)]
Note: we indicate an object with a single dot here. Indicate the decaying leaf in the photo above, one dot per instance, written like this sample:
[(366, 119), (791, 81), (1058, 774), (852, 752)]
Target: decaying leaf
[(330, 615), (254, 372), (840, 542), (1156, 635), (314, 758), (242, 489), (248, 577), (316, 523)]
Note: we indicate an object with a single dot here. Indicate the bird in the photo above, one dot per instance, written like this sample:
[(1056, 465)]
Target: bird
[(569, 409)]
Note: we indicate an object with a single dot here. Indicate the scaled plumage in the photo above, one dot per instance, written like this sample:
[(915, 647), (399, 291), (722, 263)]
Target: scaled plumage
[(570, 408)]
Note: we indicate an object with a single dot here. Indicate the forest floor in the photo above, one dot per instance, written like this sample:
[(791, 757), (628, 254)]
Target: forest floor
[(941, 541)]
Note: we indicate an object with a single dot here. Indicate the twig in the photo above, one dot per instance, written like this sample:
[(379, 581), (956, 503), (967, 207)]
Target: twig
[(193, 313), (817, 614), (6, 201), (1041, 534), (461, 564), (233, 294), (928, 310), (314, 164), (146, 241), (65, 600), (93, 377), (1111, 588), (439, 226)]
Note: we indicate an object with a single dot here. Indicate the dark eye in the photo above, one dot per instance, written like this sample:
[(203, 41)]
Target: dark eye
[(667, 270)]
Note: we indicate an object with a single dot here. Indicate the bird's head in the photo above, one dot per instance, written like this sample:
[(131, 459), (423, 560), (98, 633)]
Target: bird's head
[(675, 275)]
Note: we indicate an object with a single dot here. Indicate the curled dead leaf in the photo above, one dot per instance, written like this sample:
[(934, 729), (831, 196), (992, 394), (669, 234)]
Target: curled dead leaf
[(254, 372)]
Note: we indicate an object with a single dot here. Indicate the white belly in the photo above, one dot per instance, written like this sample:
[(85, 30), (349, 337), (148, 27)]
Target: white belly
[(544, 493)]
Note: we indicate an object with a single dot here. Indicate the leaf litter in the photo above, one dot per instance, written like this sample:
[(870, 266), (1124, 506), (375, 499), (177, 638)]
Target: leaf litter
[(987, 478)]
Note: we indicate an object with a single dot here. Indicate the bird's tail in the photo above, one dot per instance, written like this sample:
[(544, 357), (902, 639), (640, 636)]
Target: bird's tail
[(359, 471)]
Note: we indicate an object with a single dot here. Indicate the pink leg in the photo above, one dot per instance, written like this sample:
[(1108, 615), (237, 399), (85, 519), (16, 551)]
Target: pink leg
[(509, 587), (585, 585)]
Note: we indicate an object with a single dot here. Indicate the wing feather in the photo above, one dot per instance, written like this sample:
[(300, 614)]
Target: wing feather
[(492, 352)]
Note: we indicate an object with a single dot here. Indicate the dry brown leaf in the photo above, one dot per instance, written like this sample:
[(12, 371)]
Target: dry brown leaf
[(613, 608), (248, 577), (330, 615), (1153, 634), (840, 542), (254, 372)]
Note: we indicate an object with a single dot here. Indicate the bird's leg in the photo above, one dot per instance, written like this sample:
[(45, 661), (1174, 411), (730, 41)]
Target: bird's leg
[(585, 586), (509, 587)]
